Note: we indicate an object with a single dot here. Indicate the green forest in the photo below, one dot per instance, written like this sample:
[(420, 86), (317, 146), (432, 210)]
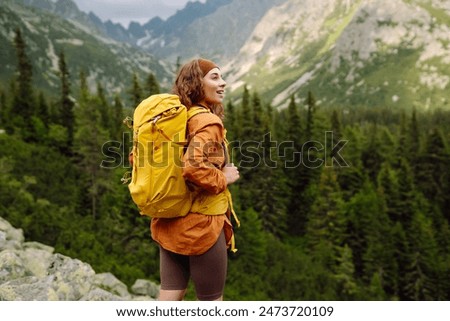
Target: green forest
[(335, 202)]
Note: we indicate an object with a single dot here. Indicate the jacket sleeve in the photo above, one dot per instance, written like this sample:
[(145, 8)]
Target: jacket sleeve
[(205, 155)]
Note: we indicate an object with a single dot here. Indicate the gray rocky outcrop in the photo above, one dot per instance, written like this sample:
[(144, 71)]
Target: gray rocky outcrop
[(31, 271)]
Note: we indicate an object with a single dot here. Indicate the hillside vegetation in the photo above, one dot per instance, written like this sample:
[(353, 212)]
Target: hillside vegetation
[(335, 203)]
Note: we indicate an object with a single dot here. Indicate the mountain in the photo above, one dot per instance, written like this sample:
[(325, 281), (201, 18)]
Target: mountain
[(346, 52), (67, 9), (349, 53), (103, 59)]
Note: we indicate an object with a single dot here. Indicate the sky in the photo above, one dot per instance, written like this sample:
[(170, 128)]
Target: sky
[(124, 11)]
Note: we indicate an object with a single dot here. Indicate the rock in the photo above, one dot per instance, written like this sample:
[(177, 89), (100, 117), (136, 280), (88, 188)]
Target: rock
[(98, 294), (11, 266), (72, 278), (109, 282), (31, 271), (146, 288), (37, 258), (10, 238), (29, 289)]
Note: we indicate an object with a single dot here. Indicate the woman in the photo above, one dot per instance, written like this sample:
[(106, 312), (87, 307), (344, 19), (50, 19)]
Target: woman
[(195, 246)]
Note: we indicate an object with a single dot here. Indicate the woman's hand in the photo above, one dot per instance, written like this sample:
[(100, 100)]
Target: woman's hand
[(231, 173)]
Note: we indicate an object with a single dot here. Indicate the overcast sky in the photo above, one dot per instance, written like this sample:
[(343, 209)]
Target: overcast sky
[(124, 11)]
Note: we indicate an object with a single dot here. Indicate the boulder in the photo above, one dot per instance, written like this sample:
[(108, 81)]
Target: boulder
[(31, 271)]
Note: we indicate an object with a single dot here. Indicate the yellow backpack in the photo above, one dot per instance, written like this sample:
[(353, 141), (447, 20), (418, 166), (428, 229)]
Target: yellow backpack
[(157, 185)]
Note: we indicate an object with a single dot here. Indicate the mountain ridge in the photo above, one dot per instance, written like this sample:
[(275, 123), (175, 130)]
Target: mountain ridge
[(103, 59), (343, 51), (337, 39)]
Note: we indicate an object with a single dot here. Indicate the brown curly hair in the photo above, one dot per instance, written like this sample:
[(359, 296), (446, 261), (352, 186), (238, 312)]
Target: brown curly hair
[(189, 87)]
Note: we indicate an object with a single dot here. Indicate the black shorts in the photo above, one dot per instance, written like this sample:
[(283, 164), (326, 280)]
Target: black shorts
[(208, 270)]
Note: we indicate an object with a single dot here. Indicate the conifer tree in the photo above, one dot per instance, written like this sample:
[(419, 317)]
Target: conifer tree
[(371, 156), (307, 173), (244, 140), (351, 178), (117, 117), (294, 126), (3, 109), (231, 121), (23, 108), (326, 222), (246, 117), (104, 109), (152, 85), (422, 274), (292, 161), (402, 259), (136, 93), (88, 140), (433, 171), (388, 189), (347, 288), (407, 194), (43, 109), (252, 243), (414, 141), (378, 257), (66, 104), (262, 184), (375, 291)]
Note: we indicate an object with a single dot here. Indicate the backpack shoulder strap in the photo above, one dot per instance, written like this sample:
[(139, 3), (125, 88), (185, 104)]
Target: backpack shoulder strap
[(195, 110)]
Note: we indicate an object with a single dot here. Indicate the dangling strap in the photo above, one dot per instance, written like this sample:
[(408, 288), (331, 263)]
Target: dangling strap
[(230, 205), (228, 194)]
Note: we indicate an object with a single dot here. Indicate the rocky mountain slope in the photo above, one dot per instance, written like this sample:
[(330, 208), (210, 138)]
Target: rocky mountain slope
[(104, 60), (350, 53), (31, 271), (218, 35)]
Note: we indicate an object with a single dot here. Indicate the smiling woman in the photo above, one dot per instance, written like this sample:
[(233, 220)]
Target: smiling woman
[(195, 246)]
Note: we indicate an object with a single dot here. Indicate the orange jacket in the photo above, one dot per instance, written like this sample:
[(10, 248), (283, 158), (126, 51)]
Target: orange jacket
[(205, 156)]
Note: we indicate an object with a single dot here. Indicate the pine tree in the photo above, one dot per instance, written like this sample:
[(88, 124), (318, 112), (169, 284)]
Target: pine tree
[(414, 141), (262, 184), (23, 108), (117, 117), (3, 109), (136, 93), (231, 121), (351, 178), (252, 243), (347, 288), (244, 139), (88, 141), (66, 104), (294, 126), (104, 109), (433, 171), (375, 291), (292, 161), (422, 275), (378, 257), (152, 85), (371, 155), (246, 117), (306, 174), (407, 194), (43, 110), (326, 222)]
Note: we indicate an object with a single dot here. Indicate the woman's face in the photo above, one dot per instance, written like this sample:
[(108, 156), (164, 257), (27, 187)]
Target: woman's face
[(214, 87)]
